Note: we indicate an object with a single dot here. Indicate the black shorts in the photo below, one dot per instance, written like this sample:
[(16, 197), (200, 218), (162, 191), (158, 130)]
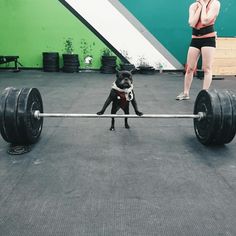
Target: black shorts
[(203, 42)]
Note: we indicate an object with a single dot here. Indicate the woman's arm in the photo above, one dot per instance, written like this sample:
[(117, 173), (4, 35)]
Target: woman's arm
[(207, 17), (194, 13)]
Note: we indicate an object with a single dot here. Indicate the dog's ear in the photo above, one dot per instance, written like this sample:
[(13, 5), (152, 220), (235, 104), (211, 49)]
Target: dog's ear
[(128, 73), (118, 73)]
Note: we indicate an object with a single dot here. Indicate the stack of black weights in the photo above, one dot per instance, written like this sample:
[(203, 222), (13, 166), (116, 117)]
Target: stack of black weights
[(50, 61), (108, 64), (71, 63), (146, 70), (127, 66)]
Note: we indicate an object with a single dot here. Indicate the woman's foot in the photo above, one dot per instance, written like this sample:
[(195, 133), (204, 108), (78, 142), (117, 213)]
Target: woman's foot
[(182, 96)]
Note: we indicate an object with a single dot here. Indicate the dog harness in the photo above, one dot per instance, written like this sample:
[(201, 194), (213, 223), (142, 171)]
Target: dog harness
[(127, 92), (124, 95)]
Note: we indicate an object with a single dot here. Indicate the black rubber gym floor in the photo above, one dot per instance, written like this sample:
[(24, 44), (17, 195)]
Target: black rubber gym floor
[(82, 179)]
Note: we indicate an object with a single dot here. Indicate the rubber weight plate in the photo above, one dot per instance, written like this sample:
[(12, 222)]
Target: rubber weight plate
[(226, 131), (11, 116), (29, 128), (206, 128), (3, 99), (233, 128)]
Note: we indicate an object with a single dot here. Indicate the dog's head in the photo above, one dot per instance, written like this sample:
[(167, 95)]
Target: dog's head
[(124, 79)]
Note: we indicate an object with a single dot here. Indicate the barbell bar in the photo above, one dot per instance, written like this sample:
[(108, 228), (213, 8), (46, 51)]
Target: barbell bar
[(38, 115), (21, 116)]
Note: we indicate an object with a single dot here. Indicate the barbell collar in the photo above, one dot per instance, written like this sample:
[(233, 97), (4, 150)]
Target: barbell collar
[(38, 115)]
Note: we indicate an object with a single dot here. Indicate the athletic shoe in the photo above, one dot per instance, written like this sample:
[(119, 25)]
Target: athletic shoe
[(182, 96)]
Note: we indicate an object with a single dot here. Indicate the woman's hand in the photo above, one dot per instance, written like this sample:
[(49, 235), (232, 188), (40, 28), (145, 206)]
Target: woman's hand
[(197, 5), (202, 2), (194, 13)]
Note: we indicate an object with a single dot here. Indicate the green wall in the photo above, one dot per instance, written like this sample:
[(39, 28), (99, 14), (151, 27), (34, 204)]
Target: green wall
[(30, 27)]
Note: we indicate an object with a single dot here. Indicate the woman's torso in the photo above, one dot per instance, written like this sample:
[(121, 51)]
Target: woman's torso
[(200, 25)]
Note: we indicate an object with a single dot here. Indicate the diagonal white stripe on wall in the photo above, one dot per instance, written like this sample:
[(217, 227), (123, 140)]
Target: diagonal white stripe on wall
[(103, 16)]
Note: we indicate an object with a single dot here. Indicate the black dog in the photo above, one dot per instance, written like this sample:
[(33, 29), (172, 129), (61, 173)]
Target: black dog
[(120, 95)]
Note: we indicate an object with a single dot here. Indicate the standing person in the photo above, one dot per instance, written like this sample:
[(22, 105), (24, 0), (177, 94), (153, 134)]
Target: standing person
[(202, 16)]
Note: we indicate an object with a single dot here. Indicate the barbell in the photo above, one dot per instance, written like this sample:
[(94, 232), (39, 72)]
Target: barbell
[(21, 116)]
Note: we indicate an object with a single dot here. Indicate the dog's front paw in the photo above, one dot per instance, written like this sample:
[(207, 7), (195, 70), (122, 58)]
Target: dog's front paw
[(139, 113), (127, 126), (112, 128), (100, 113)]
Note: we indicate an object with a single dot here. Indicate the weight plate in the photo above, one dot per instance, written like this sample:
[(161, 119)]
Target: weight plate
[(11, 116), (29, 128), (233, 127), (224, 130), (3, 99), (206, 128)]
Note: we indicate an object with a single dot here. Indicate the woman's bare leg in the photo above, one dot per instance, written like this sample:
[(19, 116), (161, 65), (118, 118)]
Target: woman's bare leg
[(192, 59), (208, 54)]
